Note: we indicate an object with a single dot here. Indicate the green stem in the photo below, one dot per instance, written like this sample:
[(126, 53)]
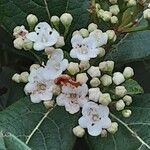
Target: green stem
[(66, 31)]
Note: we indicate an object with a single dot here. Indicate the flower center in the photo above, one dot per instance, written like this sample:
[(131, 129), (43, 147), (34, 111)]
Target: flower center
[(41, 87), (44, 38), (94, 115), (83, 48)]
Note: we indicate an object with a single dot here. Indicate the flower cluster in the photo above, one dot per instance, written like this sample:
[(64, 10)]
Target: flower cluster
[(78, 84)]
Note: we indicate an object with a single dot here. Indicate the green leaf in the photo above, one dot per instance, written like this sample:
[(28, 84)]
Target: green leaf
[(133, 133), (41, 129), (14, 12), (133, 47)]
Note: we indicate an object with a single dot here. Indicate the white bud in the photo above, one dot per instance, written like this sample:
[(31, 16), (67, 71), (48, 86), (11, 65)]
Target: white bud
[(114, 9), (113, 128), (100, 13), (73, 68), (56, 89), (78, 131), (66, 19), (111, 35), (95, 82), (32, 20), (118, 78), (55, 20), (106, 16), (97, 6), (82, 78), (113, 1), (106, 80), (101, 52), (127, 99), (34, 67), (18, 43), (128, 72), (106, 66), (94, 94), (131, 3), (105, 99), (84, 65), (120, 91), (27, 44), (49, 50), (146, 14), (16, 78), (114, 20), (149, 5), (76, 33), (92, 27), (104, 133), (60, 42), (84, 32), (49, 104), (94, 71), (126, 113), (24, 77), (120, 105)]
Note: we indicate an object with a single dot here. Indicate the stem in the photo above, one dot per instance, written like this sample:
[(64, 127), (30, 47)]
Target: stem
[(47, 10), (66, 31)]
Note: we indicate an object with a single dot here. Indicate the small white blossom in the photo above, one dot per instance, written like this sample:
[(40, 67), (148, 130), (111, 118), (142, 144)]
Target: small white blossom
[(49, 104), (114, 20), (120, 105), (120, 91), (60, 42), (27, 44), (24, 77), (128, 72), (73, 68), (101, 52), (34, 67), (106, 16), (111, 35), (92, 27), (84, 65), (44, 36), (84, 32), (126, 113), (114, 9), (18, 43), (113, 128), (94, 94), (95, 118), (105, 99), (95, 82), (127, 99), (106, 66), (66, 19), (82, 78), (106, 80), (16, 78), (32, 20), (78, 131), (118, 78), (55, 20), (94, 71), (72, 97)]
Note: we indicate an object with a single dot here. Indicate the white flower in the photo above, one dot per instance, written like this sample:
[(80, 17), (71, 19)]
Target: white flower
[(95, 118), (118, 78), (56, 64), (94, 94), (83, 48), (94, 71), (72, 97), (44, 36), (38, 87)]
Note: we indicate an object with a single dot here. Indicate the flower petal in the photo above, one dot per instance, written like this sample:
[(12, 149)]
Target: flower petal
[(32, 36), (35, 98), (76, 40), (105, 122), (84, 122), (60, 100), (103, 111), (38, 46)]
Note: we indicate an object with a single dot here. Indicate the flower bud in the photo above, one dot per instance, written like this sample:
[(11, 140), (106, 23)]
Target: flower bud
[(94, 71), (114, 20), (73, 68), (127, 99), (49, 50), (97, 6), (92, 27), (55, 21), (82, 78), (24, 77), (128, 72), (56, 89), (126, 113), (113, 1), (78, 131), (113, 128), (49, 104), (95, 82), (146, 14), (111, 35), (114, 9), (66, 19), (120, 91), (60, 42), (84, 32), (76, 33), (105, 99), (100, 13), (118, 78), (106, 16), (106, 80), (84, 65), (101, 52), (94, 94), (16, 78), (18, 43), (34, 67), (131, 3), (120, 105), (104, 133), (27, 44), (107, 66), (32, 20)]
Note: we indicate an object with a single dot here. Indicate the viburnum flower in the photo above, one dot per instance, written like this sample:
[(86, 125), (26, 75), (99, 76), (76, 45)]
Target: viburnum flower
[(95, 118), (44, 36), (56, 64), (83, 48), (72, 97), (38, 87)]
